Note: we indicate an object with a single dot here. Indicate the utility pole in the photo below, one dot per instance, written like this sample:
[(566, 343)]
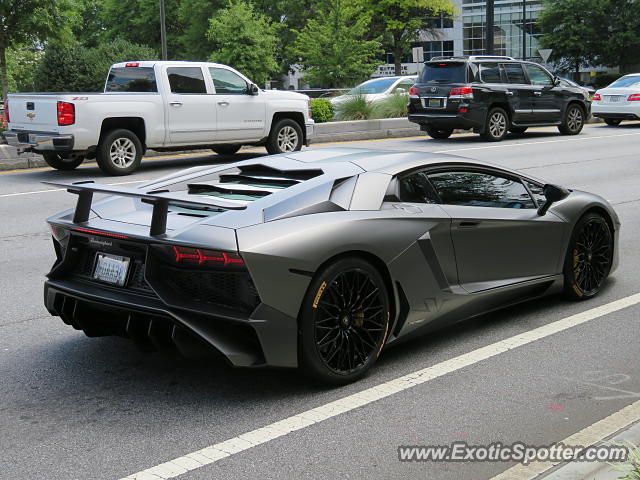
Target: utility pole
[(163, 31), (489, 28), (524, 30)]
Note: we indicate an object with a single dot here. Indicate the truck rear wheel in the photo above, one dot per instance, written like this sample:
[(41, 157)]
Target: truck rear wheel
[(285, 136), (119, 152), (68, 161)]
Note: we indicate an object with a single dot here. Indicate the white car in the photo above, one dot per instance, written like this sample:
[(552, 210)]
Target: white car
[(619, 101), (379, 88), (161, 105)]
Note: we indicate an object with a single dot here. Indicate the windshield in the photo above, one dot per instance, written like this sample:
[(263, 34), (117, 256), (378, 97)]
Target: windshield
[(443, 73), (379, 85), (131, 79), (625, 82)]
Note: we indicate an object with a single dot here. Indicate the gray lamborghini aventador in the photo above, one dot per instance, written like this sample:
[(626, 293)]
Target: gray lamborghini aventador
[(322, 258)]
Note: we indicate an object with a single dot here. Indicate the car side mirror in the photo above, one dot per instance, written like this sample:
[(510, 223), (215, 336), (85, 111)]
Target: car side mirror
[(253, 89), (556, 81), (553, 194)]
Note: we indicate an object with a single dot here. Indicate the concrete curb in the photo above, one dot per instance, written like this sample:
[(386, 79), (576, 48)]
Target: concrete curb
[(324, 133)]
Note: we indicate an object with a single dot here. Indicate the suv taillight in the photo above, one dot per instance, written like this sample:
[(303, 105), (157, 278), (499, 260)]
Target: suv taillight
[(461, 92), (66, 113), (414, 92), (634, 97), (596, 97)]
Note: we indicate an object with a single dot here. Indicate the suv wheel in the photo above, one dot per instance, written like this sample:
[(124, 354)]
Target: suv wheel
[(612, 122), (285, 136), (573, 120), (496, 127), (439, 133), (67, 161), (119, 152)]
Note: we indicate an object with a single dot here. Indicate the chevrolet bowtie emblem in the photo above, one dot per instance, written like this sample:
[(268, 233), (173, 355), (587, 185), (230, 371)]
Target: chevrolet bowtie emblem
[(31, 115)]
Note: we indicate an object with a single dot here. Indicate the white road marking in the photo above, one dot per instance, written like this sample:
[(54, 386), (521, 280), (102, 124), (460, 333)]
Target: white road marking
[(232, 446), (507, 145), (62, 189), (588, 436)]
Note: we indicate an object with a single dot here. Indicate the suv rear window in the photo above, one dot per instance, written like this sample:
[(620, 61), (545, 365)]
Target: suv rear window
[(448, 72), (131, 79)]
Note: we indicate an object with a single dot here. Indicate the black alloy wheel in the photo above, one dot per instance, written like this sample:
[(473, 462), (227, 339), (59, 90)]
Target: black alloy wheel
[(589, 257), (345, 321), (496, 127), (573, 120)]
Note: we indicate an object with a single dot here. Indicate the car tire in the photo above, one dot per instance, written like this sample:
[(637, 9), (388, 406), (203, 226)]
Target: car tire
[(613, 122), (497, 125), (119, 152), (64, 162), (285, 137), (341, 338), (439, 133), (589, 257), (573, 120), (518, 130), (226, 149)]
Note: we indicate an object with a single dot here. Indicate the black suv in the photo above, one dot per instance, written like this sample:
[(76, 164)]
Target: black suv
[(493, 95)]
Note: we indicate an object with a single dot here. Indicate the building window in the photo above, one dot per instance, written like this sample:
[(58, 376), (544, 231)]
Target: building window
[(441, 21), (436, 49)]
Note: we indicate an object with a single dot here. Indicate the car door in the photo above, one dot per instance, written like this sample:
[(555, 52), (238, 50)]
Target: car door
[(519, 92), (241, 116), (497, 234), (547, 98), (191, 113)]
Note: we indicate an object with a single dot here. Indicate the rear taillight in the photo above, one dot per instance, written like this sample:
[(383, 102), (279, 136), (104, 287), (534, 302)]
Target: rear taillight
[(60, 234), (309, 106), (132, 64), (634, 97), (66, 113), (461, 92), (6, 111), (414, 92), (204, 258), (596, 97)]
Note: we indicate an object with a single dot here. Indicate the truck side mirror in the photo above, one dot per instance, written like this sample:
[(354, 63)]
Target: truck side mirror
[(253, 89), (553, 194)]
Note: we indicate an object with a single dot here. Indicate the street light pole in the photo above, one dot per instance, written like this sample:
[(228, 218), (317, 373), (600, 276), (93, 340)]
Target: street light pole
[(524, 31), (163, 31), (489, 28)]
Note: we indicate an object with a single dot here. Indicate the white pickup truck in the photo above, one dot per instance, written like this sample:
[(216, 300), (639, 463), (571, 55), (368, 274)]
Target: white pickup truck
[(160, 105)]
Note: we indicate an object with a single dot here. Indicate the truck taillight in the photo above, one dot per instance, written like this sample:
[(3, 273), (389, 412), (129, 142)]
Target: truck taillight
[(6, 111), (132, 64), (414, 92), (66, 113), (461, 92), (309, 106)]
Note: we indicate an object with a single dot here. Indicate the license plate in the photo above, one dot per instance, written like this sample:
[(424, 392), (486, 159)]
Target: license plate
[(435, 102), (615, 98), (111, 269)]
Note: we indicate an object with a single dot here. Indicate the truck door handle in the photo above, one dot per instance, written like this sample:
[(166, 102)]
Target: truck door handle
[(508, 92), (537, 93), (468, 224), (175, 104), (223, 104)]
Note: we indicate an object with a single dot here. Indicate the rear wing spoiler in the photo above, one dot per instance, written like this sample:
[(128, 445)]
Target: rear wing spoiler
[(159, 198)]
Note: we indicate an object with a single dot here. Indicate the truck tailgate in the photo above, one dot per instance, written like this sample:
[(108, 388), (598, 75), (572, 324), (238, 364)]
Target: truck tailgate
[(34, 112)]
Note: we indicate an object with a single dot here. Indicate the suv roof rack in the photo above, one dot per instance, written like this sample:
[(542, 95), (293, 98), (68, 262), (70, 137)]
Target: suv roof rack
[(473, 57)]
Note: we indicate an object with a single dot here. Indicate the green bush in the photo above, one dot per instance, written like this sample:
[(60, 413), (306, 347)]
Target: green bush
[(75, 68), (321, 110), (604, 79), (394, 106), (356, 107)]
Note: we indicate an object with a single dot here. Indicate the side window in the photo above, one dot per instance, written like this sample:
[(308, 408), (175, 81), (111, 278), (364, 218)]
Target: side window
[(537, 192), (417, 188), (538, 76), (227, 82), (490, 73), (514, 72), (480, 190), (404, 86), (186, 80)]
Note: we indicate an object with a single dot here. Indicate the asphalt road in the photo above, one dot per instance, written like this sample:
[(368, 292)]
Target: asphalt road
[(78, 408)]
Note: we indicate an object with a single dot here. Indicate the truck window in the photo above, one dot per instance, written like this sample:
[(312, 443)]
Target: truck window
[(227, 82), (443, 72), (186, 80), (131, 79)]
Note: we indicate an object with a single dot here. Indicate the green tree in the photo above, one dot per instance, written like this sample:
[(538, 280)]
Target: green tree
[(22, 61), (571, 29), (194, 16), (333, 47), (76, 68), (402, 21), (617, 44), (244, 39), (30, 21)]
